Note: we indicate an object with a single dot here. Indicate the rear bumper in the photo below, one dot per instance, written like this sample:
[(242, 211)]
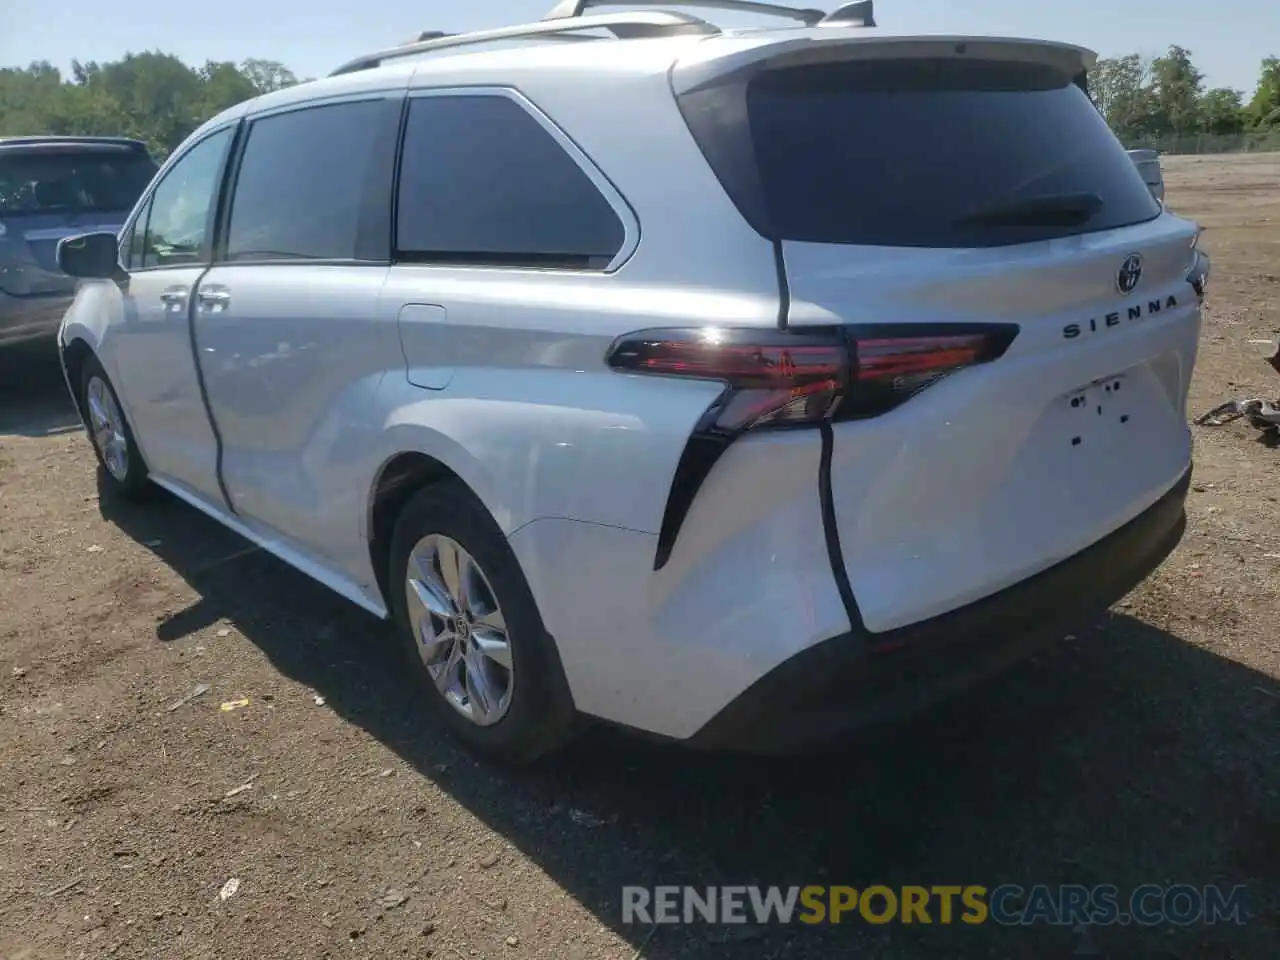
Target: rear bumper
[(860, 678)]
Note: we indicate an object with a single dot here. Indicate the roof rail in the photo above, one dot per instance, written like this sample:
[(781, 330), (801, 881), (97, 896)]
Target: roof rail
[(566, 9), (624, 26)]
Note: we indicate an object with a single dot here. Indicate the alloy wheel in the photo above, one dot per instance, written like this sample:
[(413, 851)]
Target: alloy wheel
[(106, 425), (459, 629)]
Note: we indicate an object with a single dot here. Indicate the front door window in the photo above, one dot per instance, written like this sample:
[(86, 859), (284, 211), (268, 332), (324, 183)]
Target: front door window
[(179, 217)]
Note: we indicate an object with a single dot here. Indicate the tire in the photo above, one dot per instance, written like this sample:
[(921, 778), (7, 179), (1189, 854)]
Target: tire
[(515, 714), (111, 434)]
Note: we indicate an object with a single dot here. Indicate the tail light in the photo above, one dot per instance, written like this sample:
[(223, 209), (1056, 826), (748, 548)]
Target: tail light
[(771, 378), (795, 378), (1198, 275), (783, 378), (891, 365)]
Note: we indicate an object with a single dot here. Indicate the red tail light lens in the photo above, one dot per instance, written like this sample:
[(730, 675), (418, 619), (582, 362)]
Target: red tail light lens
[(786, 378), (717, 354), (893, 365), (913, 358), (773, 377)]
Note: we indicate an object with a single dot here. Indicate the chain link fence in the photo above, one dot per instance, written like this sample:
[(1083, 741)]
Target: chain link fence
[(1255, 141)]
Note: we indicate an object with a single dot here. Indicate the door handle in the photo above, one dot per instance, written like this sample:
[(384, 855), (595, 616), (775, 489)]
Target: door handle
[(174, 296), (215, 298)]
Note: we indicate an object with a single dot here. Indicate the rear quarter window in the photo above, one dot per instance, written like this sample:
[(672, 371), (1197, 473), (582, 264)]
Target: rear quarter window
[(906, 152), (483, 182)]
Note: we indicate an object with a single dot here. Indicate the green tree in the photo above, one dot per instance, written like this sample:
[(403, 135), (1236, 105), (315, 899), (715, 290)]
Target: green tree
[(28, 98), (1264, 108), (1121, 88), (158, 92), (267, 76), (1221, 111), (152, 96), (83, 72), (224, 86), (1176, 87)]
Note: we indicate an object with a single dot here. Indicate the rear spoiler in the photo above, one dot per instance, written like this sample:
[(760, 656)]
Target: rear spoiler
[(721, 59), (127, 143), (1148, 164)]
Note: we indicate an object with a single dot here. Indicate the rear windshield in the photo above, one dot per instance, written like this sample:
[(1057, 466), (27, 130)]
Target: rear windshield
[(72, 182), (917, 153)]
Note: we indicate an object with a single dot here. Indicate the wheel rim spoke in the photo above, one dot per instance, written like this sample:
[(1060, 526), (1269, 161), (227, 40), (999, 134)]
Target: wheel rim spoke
[(478, 693), (490, 621), (448, 676), (116, 454), (97, 416), (436, 650), (432, 636), (492, 645), (429, 593), (455, 567)]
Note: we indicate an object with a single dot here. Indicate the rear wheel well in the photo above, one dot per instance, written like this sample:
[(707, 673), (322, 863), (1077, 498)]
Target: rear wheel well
[(74, 356), (402, 477)]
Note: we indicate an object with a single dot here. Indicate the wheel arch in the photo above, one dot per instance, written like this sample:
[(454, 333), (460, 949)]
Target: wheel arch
[(75, 353), (414, 461), (84, 333)]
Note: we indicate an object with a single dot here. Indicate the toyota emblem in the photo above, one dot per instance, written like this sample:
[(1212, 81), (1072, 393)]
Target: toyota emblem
[(1130, 273)]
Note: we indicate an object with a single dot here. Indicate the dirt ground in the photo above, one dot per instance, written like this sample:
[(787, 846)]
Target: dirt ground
[(1144, 750)]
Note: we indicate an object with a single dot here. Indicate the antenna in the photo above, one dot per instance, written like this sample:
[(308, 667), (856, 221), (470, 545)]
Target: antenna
[(856, 14)]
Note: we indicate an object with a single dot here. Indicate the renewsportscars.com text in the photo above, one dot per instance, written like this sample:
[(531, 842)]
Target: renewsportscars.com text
[(1007, 905)]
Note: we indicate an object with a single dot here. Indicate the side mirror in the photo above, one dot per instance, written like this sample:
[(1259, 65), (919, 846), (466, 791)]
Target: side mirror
[(1148, 164), (90, 256)]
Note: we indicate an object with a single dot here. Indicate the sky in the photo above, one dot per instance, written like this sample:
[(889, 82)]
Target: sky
[(1228, 38)]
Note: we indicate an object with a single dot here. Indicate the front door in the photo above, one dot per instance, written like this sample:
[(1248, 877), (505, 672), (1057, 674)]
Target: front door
[(168, 248)]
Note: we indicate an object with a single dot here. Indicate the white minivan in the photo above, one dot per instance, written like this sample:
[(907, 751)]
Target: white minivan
[(740, 387)]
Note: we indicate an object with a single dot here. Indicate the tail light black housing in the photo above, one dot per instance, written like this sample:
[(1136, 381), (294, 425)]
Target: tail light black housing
[(1198, 275), (796, 378)]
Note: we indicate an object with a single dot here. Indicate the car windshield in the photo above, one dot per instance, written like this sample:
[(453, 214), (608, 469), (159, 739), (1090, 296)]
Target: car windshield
[(72, 182)]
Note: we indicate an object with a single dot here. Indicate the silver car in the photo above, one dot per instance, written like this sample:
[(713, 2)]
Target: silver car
[(50, 188)]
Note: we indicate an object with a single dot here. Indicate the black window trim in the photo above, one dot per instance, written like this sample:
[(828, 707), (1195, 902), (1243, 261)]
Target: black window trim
[(129, 230), (607, 188), (377, 193), (143, 206)]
